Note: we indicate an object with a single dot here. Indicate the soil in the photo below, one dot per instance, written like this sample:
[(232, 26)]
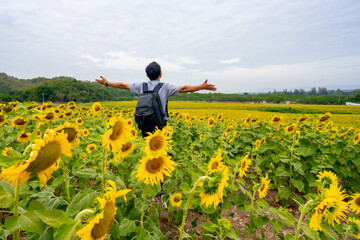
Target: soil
[(238, 221)]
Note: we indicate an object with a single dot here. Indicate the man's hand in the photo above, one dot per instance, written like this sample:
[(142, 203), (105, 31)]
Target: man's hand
[(101, 81), (208, 86)]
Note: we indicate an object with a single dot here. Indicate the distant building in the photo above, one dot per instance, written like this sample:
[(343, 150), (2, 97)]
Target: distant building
[(287, 102), (350, 103)]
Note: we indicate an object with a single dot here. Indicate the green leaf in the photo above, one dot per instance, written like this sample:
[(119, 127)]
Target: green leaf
[(281, 171), (47, 234), (262, 203), (86, 173), (82, 200), (150, 190), (184, 186), (309, 232), (277, 224), (284, 215), (127, 226), (210, 227), (6, 200), (67, 231), (298, 184), (284, 192), (28, 222), (53, 217)]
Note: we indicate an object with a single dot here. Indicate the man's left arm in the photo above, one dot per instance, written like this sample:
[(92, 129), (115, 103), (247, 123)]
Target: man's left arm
[(195, 88)]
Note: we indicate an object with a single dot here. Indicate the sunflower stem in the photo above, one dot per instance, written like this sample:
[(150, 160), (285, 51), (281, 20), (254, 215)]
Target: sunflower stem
[(82, 213), (187, 205), (103, 169), (300, 219), (142, 212), (3, 136), (16, 206), (66, 180)]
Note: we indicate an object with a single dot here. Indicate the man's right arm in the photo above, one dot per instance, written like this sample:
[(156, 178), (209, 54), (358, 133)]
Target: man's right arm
[(121, 85)]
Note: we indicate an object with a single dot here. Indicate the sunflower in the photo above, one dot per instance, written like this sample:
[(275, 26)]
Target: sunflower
[(117, 135), (71, 105), (49, 116), (153, 169), (354, 204), (326, 179), (215, 162), (99, 225), (175, 200), (244, 165), (126, 149), (227, 132), (213, 187), (72, 131), (356, 139), (354, 226), (23, 137), (19, 122), (290, 129), (157, 143), (79, 121), (133, 133), (69, 113), (324, 117), (211, 122), (168, 130), (91, 147), (257, 144), (96, 107), (330, 206), (264, 186), (276, 119), (44, 158), (303, 118), (85, 132), (233, 137), (2, 119), (6, 151)]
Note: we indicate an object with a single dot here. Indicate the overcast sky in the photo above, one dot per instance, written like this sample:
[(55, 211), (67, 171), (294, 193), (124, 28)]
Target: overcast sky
[(239, 45)]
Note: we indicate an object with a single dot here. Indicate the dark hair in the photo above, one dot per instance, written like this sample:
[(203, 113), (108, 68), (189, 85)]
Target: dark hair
[(153, 71)]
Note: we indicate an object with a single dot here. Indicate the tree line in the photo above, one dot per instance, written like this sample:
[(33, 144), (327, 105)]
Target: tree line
[(64, 89)]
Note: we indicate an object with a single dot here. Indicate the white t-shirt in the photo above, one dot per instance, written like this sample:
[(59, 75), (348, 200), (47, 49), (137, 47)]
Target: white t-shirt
[(166, 91)]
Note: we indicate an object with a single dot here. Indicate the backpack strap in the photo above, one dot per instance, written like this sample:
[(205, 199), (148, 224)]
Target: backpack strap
[(145, 87), (157, 88)]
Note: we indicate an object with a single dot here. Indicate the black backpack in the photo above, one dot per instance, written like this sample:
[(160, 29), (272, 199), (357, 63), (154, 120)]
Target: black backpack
[(149, 111)]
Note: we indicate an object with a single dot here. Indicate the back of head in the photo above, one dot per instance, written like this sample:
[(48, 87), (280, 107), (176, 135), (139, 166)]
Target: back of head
[(153, 71)]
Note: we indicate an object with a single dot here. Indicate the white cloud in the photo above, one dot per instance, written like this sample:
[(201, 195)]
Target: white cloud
[(230, 61)]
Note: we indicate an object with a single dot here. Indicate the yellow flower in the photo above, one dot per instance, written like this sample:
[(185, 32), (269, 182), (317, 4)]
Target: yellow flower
[(71, 105), (6, 151), (117, 135), (49, 116), (233, 137), (72, 131), (126, 149), (228, 130), (91, 147), (356, 139), (215, 162), (244, 165), (211, 122), (354, 226), (331, 206), (23, 137), (153, 169), (326, 179), (264, 186), (157, 143), (176, 200), (213, 187), (44, 158), (2, 119), (354, 204), (85, 132), (290, 129), (19, 122), (303, 118), (276, 119), (69, 113), (96, 107), (168, 130), (257, 144), (99, 225), (324, 117), (83, 156), (79, 121)]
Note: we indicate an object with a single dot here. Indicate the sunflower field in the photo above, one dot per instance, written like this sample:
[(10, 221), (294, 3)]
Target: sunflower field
[(84, 172)]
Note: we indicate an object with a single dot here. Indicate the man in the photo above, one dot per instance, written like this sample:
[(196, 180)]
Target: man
[(153, 72)]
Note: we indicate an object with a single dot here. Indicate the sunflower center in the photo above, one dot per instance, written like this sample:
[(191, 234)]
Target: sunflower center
[(126, 146), (2, 118), (91, 148), (262, 187), (23, 135), (49, 116), (156, 143), (177, 199), (211, 122), (276, 119), (214, 165), (8, 108), (97, 108), (46, 157), (291, 128), (103, 226), (357, 202), (117, 130), (71, 133), (154, 165), (20, 121), (355, 138), (243, 165)]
